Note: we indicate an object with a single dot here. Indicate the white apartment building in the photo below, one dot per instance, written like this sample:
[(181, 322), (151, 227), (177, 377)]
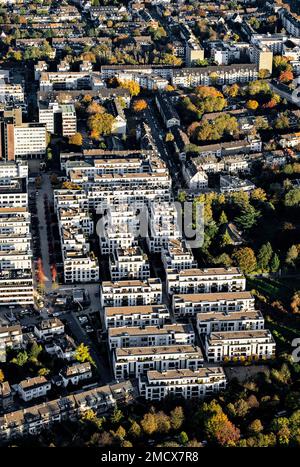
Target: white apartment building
[(136, 361), (131, 293), (48, 328), (48, 112), (147, 336), (11, 336), (191, 304), (32, 388), (208, 280), (163, 226), (189, 384), (178, 255), (30, 140), (75, 373), (206, 76), (222, 346), (130, 263), (16, 284), (145, 315), (69, 119), (229, 322)]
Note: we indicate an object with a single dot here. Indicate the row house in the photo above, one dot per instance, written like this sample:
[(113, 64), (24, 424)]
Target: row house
[(208, 280), (136, 361), (186, 305), (178, 255), (144, 315), (131, 293), (146, 336), (32, 420), (239, 345), (185, 383), (229, 322), (206, 76)]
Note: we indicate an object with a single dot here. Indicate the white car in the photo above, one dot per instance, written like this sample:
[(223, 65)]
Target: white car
[(82, 319)]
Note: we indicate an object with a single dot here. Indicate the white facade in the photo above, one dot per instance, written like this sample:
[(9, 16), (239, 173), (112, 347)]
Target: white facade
[(131, 293), (229, 322), (191, 304), (146, 315), (205, 280), (178, 255), (30, 140), (220, 346), (130, 263), (135, 361), (145, 336), (190, 384), (33, 388)]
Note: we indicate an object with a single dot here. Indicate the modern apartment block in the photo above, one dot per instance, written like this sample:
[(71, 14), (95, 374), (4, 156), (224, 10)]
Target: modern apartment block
[(163, 226), (210, 280), (146, 336), (130, 263), (186, 383), (131, 293), (229, 322), (136, 361), (16, 283), (178, 255), (144, 315), (185, 305), (222, 346)]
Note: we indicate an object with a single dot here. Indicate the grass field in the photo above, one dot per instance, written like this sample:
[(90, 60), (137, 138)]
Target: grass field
[(275, 289)]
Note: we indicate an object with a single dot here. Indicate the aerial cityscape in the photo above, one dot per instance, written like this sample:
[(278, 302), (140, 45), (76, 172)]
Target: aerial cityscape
[(150, 224)]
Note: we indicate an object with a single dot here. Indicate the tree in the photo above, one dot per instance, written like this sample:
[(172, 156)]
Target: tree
[(258, 195), (76, 139), (295, 303), (255, 427), (132, 86), (275, 263), (223, 218), (100, 124), (149, 423), (135, 430), (177, 418), (225, 239), (217, 426), (286, 76), (35, 351), (282, 122), (20, 359), (264, 256), (163, 422), (184, 438), (43, 371), (252, 104), (82, 354), (140, 105), (232, 91), (94, 108), (245, 258), (248, 218), (116, 416), (292, 255), (261, 123), (2, 377), (292, 198), (120, 433)]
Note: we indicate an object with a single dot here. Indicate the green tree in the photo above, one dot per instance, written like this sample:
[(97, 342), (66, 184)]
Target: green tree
[(135, 430), (184, 439), (223, 218), (264, 256), (20, 359), (248, 218), (292, 197), (275, 263), (116, 416)]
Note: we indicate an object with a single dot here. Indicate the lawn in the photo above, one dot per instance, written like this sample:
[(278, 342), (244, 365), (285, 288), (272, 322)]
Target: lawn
[(275, 289)]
